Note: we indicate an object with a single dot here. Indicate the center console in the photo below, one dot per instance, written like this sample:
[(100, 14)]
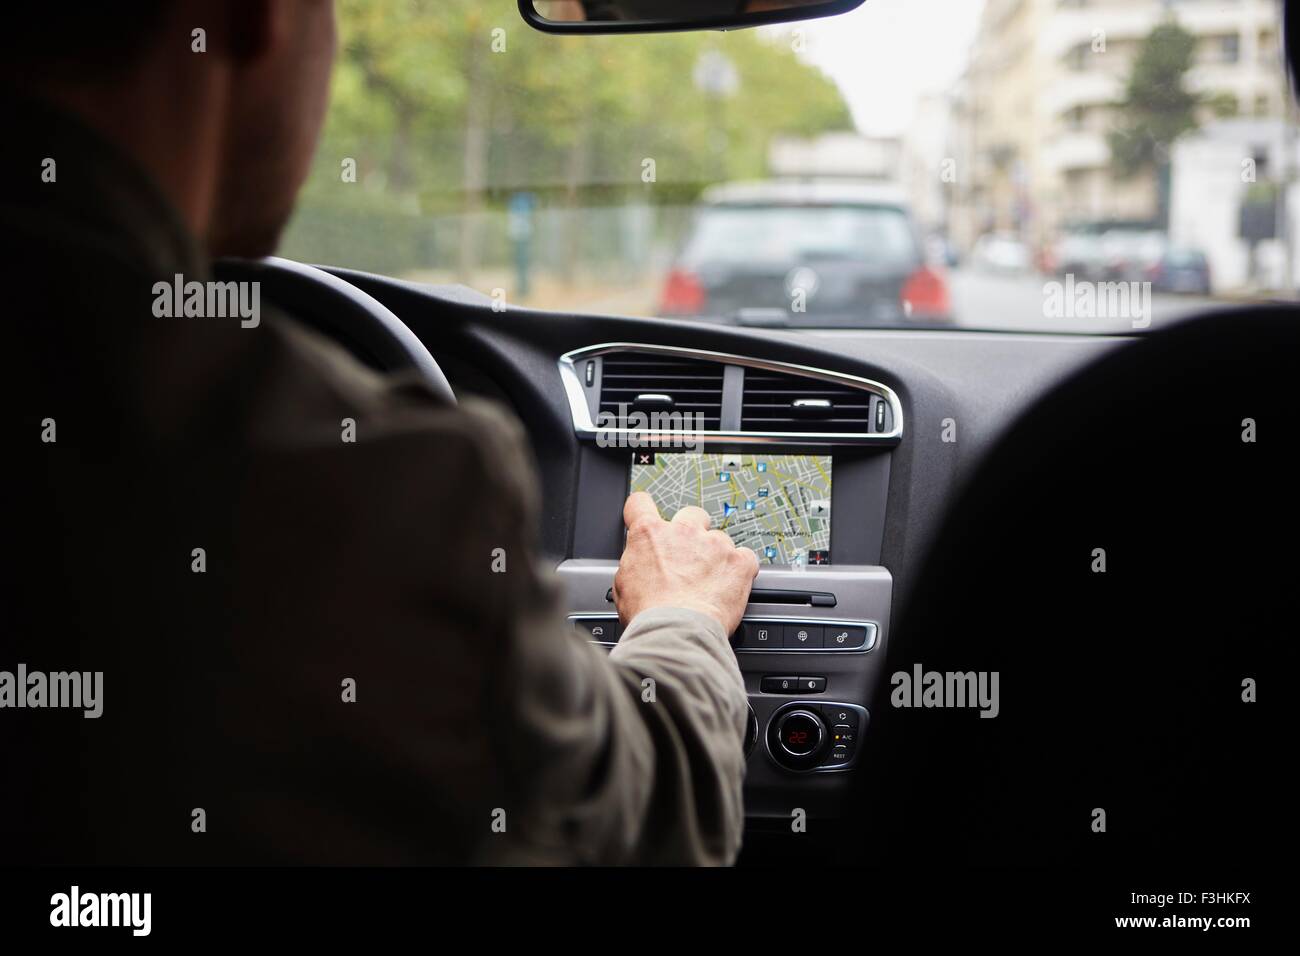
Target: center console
[(790, 461), (807, 668)]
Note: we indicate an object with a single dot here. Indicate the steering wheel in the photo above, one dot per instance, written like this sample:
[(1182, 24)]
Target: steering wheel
[(355, 319)]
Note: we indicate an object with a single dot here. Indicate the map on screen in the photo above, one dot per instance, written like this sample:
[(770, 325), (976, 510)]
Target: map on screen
[(779, 505)]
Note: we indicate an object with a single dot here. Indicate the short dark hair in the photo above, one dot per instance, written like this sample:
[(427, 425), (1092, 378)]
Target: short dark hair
[(79, 39)]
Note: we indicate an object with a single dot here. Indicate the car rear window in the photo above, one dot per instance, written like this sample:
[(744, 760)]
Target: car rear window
[(1182, 258), (881, 235)]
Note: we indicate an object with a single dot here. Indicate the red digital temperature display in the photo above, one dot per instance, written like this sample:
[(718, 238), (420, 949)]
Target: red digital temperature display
[(800, 734)]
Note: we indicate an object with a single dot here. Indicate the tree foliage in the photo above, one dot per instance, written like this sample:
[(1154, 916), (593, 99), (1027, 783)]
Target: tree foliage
[(443, 112), (1157, 107)]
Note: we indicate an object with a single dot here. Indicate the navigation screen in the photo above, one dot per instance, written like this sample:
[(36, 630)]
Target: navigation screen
[(779, 505)]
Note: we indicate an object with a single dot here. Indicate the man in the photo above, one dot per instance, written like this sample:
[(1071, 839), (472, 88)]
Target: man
[(296, 644)]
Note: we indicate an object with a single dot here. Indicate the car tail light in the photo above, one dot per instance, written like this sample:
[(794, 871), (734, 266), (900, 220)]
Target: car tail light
[(925, 293), (683, 294)]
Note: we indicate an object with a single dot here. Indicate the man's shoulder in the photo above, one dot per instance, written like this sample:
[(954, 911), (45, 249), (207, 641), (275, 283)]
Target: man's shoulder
[(312, 394)]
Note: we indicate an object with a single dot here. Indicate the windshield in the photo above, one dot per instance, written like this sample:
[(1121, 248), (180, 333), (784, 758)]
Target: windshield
[(1040, 165)]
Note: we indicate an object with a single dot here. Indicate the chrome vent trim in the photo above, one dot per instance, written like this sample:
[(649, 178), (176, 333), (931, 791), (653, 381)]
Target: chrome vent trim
[(586, 428)]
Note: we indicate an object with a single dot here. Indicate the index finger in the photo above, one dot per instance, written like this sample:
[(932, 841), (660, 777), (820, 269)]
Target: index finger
[(639, 508)]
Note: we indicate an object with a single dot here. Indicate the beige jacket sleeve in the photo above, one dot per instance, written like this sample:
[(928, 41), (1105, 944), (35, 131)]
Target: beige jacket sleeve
[(631, 756)]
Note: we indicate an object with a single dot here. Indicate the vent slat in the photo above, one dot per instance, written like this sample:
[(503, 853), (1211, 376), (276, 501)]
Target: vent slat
[(695, 385), (768, 405)]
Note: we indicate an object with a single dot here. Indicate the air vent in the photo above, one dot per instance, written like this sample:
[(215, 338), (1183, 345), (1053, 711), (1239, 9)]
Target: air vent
[(738, 400), (781, 402), (649, 382)]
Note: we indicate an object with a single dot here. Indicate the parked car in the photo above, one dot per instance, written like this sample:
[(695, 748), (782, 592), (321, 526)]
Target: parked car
[(1002, 253), (1079, 254), (1129, 254), (1181, 270), (809, 254)]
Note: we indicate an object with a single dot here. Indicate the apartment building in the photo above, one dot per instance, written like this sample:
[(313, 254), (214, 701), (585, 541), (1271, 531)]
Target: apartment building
[(1031, 119)]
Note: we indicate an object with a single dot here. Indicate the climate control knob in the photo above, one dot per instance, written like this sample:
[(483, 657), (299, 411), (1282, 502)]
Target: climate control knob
[(797, 738)]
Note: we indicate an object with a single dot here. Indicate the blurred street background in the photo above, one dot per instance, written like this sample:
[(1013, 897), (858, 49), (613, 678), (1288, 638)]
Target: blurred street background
[(1137, 141)]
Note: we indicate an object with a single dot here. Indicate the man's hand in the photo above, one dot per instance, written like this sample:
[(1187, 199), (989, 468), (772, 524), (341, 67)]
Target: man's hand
[(681, 563)]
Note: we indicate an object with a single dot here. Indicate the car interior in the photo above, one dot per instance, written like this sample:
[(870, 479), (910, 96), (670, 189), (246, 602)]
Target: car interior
[(975, 320), (975, 473)]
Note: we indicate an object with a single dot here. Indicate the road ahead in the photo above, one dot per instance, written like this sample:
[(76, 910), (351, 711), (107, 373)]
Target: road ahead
[(980, 300), (1031, 304)]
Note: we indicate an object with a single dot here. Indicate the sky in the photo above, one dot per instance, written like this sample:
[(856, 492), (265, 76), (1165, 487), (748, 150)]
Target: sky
[(886, 53)]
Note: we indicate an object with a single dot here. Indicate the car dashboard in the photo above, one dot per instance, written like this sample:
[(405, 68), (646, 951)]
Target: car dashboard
[(899, 417), (790, 460)]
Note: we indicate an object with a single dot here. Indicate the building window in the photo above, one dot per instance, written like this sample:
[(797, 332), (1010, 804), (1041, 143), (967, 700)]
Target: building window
[(1270, 51), (1229, 48)]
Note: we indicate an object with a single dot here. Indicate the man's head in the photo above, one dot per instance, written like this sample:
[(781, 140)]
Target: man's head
[(222, 100)]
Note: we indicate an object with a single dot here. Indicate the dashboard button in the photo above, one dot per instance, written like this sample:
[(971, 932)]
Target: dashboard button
[(779, 685), (846, 637), (812, 685), (802, 635), (844, 734), (758, 636), (604, 630), (837, 715), (839, 754)]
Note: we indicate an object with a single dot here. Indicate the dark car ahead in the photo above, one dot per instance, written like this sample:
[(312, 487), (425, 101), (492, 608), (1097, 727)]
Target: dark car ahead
[(1181, 270), (811, 254)]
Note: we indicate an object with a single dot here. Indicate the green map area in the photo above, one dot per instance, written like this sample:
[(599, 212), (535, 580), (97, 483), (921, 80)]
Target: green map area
[(779, 505)]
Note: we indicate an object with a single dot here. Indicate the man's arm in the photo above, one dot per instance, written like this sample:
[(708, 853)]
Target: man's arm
[(409, 560), (634, 756)]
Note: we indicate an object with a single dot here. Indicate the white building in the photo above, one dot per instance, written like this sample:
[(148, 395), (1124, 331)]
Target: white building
[(1093, 44), (1212, 173), (927, 145), (835, 156), (1044, 90)]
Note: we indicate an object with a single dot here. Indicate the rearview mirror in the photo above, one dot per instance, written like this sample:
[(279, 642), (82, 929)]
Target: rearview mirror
[(652, 16)]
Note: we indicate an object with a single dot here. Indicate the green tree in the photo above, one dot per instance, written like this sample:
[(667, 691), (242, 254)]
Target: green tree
[(1157, 108), (449, 106)]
